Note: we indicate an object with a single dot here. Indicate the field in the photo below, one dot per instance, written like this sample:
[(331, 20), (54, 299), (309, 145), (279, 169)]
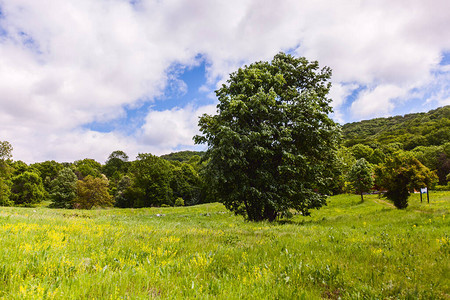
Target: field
[(347, 249)]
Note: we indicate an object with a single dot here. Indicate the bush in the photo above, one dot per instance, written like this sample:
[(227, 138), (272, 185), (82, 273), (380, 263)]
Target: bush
[(179, 202)]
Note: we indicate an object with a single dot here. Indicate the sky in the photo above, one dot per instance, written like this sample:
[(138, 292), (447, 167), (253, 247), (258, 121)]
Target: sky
[(83, 78)]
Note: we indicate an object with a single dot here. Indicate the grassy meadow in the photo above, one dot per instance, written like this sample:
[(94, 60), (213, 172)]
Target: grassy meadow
[(347, 249)]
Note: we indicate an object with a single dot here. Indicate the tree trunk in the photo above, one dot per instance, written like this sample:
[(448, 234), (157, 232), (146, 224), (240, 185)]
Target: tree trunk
[(269, 213)]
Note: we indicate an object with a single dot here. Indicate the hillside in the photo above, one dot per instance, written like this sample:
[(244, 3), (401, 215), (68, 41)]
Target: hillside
[(411, 130), (181, 156)]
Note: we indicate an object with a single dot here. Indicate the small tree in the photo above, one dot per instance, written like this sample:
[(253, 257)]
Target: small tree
[(5, 150), (27, 189), (64, 189), (361, 176), (93, 192), (179, 202), (400, 174)]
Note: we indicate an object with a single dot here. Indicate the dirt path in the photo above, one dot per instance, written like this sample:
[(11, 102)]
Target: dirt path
[(384, 202)]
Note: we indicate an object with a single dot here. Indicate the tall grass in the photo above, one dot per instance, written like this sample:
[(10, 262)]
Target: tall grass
[(347, 249)]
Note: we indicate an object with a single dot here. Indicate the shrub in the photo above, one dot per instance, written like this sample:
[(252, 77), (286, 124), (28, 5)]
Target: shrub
[(179, 202)]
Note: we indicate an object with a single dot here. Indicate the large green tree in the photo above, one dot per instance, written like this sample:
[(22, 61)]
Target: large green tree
[(270, 141)]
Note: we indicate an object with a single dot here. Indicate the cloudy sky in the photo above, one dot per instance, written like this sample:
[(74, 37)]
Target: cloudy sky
[(82, 78)]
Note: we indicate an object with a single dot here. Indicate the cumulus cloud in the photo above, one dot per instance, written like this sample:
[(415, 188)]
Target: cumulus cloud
[(376, 102), (65, 64), (338, 94), (169, 129)]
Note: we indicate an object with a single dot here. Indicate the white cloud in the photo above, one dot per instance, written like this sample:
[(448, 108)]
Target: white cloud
[(64, 64), (169, 129), (338, 93), (377, 102)]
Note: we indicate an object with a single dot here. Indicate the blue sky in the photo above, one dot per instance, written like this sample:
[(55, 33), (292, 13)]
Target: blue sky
[(80, 79)]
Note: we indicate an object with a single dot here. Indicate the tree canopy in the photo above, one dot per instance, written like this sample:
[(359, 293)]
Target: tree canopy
[(93, 192), (64, 189), (27, 189), (271, 137)]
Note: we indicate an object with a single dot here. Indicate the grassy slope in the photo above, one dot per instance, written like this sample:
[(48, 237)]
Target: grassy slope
[(347, 249)]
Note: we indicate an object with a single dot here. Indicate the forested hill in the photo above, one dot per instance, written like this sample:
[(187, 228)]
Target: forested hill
[(181, 156), (411, 130)]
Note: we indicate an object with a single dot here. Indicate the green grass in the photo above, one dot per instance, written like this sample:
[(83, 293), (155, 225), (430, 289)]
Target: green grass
[(347, 249)]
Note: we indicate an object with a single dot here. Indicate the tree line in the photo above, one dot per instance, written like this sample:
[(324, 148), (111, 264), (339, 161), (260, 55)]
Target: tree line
[(147, 181)]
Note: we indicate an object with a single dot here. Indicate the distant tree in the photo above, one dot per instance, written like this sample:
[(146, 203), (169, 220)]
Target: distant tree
[(361, 151), (63, 189), (5, 192), (377, 157), (151, 181), (361, 176), (27, 189), (19, 167), (343, 164), (428, 155), (436, 158), (401, 174), (48, 171), (5, 174), (391, 148), (186, 183), (93, 192), (124, 196), (117, 163), (270, 141), (87, 167), (5, 150), (443, 168)]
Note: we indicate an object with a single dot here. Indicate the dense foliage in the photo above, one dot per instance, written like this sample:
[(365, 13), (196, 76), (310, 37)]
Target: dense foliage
[(63, 189), (269, 141), (181, 156), (411, 130), (27, 189), (361, 176), (401, 174), (92, 192)]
